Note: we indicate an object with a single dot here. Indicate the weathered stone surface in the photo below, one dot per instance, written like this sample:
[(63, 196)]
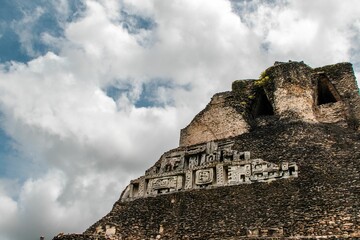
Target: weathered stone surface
[(291, 91), (291, 172), (79, 237), (215, 122)]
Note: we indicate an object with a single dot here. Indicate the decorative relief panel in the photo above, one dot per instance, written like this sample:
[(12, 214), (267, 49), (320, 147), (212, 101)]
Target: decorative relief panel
[(165, 184), (172, 164), (284, 166), (220, 174), (193, 161), (204, 176), (237, 174), (196, 166), (189, 179)]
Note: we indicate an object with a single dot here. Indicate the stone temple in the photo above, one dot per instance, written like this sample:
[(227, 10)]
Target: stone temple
[(274, 158)]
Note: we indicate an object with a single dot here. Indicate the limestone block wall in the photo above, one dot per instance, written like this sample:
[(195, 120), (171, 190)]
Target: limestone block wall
[(218, 120)]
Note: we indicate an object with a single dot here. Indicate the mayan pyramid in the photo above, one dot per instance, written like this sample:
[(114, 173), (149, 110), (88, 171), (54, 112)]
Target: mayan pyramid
[(274, 158)]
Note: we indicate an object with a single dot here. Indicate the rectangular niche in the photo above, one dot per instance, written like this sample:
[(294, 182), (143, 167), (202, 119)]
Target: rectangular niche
[(135, 189)]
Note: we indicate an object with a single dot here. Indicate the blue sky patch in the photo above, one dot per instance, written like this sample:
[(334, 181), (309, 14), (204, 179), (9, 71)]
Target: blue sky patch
[(10, 49), (9, 166), (13, 164), (13, 12), (115, 92), (133, 23), (157, 93)]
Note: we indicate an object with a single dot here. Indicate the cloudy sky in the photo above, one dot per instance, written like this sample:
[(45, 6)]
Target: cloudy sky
[(92, 92)]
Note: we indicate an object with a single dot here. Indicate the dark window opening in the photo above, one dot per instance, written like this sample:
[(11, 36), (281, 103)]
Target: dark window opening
[(242, 177), (222, 156), (326, 92), (262, 105), (291, 170), (167, 167)]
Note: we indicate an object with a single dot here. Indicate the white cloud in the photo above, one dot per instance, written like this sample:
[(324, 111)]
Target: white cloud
[(24, 30), (89, 144), (8, 208)]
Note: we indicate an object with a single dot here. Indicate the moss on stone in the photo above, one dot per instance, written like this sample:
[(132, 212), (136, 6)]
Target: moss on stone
[(263, 80)]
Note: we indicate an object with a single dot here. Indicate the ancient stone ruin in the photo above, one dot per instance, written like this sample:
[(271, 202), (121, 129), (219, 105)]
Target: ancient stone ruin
[(207, 165), (274, 158)]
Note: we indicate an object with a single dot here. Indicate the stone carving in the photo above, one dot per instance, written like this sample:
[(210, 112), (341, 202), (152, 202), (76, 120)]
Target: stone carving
[(165, 184), (284, 166), (171, 164), (211, 158), (195, 167), (211, 147), (239, 174), (227, 155), (189, 179), (220, 174), (205, 176), (193, 161)]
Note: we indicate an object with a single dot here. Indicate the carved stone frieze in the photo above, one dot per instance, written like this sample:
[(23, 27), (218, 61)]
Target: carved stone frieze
[(164, 183), (206, 166)]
